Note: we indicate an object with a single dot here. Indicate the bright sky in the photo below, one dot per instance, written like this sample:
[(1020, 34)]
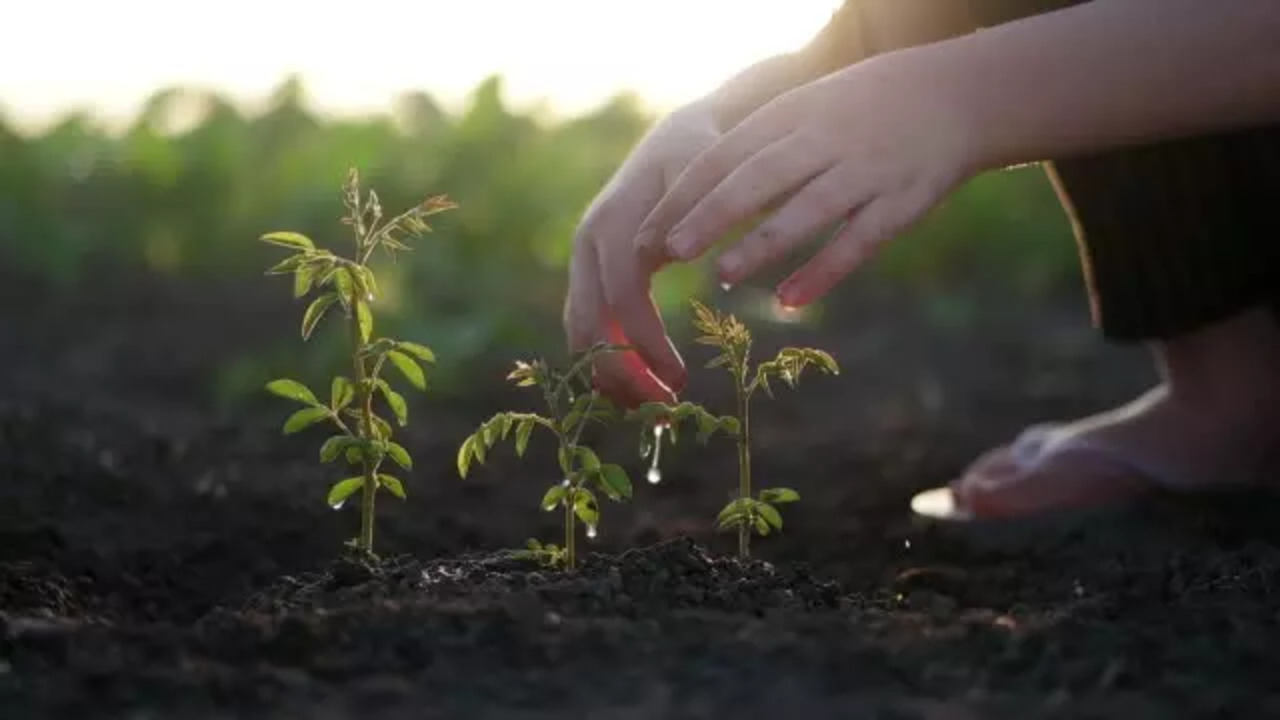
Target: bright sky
[(356, 55)]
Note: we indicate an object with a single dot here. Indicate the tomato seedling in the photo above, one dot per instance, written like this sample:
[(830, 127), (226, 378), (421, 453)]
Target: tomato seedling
[(572, 403), (364, 439)]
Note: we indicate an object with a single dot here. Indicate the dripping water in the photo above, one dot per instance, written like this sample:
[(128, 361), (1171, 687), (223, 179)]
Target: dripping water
[(654, 475)]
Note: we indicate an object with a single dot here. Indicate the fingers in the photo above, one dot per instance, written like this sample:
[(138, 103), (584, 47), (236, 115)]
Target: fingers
[(824, 200), (626, 283), (866, 231), (708, 170), (608, 301), (624, 377), (748, 190)]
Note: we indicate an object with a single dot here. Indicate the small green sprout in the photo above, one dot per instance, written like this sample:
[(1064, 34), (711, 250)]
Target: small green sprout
[(747, 512), (572, 404), (364, 438)]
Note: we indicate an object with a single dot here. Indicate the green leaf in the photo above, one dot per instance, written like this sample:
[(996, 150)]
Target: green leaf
[(566, 466), (769, 513), (762, 527), (615, 480), (396, 402), (584, 506), (553, 498), (294, 240), (570, 421), (343, 489), (341, 393), (355, 453), (421, 352), (345, 285), (292, 390), (381, 428), (526, 374), (409, 368), (315, 312), (302, 280), (364, 318), (587, 459), (305, 418), (763, 381), (334, 446), (736, 507), (365, 282), (779, 496), (491, 429), (731, 520), (523, 431), (465, 453), (393, 485), (288, 265), (399, 455), (730, 426)]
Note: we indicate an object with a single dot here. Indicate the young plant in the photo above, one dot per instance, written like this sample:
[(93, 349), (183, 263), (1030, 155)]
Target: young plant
[(746, 512), (571, 404), (347, 282)]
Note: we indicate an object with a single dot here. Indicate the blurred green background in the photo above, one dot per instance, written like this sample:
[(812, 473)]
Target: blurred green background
[(185, 189)]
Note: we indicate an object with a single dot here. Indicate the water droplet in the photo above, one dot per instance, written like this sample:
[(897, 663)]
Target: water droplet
[(591, 532), (370, 298), (906, 544), (338, 505), (564, 482), (655, 475), (726, 286)]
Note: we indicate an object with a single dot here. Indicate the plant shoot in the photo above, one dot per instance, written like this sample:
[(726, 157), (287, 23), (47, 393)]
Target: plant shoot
[(347, 282), (571, 403), (747, 512)]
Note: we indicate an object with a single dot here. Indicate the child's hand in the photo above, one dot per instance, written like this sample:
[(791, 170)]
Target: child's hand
[(877, 144), (609, 277)]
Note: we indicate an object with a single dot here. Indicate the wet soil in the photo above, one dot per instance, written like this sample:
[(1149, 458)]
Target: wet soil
[(161, 559)]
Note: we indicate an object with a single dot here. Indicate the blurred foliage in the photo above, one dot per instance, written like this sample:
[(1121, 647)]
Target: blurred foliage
[(187, 187)]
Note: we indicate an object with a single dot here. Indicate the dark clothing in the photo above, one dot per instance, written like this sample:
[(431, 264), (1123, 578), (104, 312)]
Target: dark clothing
[(1173, 235)]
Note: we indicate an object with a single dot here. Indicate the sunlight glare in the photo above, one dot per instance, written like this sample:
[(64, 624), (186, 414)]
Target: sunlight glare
[(568, 54)]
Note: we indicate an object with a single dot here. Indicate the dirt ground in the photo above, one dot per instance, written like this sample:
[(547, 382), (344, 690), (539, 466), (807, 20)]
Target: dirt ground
[(159, 560)]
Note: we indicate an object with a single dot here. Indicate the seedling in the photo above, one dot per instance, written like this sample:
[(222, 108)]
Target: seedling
[(746, 512), (364, 438), (571, 404)]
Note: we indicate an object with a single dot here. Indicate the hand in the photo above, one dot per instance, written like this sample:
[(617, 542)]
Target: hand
[(609, 296), (875, 145)]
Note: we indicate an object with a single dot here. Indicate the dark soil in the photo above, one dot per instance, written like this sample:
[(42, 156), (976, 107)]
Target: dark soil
[(158, 559)]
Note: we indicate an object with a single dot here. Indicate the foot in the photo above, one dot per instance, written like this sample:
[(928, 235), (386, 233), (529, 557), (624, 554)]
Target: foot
[(1214, 424)]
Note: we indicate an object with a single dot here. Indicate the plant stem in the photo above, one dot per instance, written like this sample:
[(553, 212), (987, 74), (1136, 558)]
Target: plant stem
[(370, 490), (744, 467), (570, 532)]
